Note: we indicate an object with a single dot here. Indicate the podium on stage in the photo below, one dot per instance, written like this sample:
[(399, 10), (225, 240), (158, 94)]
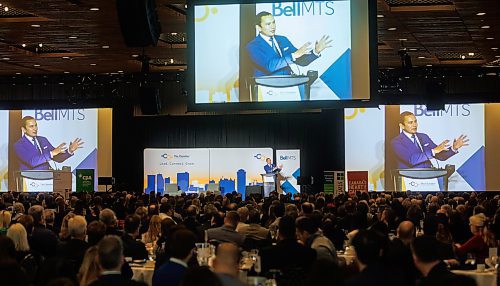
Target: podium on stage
[(283, 81), (57, 181), (416, 176)]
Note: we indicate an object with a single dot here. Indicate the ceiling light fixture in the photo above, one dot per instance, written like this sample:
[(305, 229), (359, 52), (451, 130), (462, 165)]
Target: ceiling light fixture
[(66, 72), (120, 71), (462, 57), (93, 64), (35, 26), (105, 47), (481, 14), (5, 59), (36, 65), (6, 9), (485, 27), (94, 9), (380, 16), (135, 56), (18, 73), (72, 37), (490, 38), (471, 54), (23, 45), (421, 57), (403, 39), (429, 65), (40, 45), (494, 49), (392, 29), (65, 57)]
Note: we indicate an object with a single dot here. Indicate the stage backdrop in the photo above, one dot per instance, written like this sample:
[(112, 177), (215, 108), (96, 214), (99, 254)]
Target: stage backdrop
[(290, 159), (4, 149), (64, 125), (193, 169)]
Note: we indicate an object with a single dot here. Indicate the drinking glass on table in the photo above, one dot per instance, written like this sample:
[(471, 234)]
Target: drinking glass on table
[(203, 253)]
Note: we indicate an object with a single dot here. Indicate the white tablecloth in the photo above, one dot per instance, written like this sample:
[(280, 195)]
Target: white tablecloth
[(483, 278), (144, 273)]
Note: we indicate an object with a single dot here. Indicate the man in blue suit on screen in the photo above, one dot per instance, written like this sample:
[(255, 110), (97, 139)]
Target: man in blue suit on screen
[(272, 54), (414, 149), (270, 167), (35, 152)]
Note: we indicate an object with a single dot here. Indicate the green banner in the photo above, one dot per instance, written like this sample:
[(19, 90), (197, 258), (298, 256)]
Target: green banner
[(84, 180)]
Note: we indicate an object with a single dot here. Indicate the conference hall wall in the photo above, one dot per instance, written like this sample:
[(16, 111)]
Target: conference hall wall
[(93, 126), (368, 135), (318, 136)]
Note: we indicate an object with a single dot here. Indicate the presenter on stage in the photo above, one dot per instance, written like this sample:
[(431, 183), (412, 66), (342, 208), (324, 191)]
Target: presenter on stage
[(414, 149), (35, 152), (271, 168), (272, 54)]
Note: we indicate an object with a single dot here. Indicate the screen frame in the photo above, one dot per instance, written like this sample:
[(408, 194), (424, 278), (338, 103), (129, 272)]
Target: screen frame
[(192, 106)]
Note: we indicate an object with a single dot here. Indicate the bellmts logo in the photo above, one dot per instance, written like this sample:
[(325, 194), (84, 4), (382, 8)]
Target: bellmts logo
[(285, 158), (60, 114), (453, 110), (315, 8)]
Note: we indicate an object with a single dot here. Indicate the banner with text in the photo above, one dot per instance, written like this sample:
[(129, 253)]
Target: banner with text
[(193, 169), (357, 181), (290, 170)]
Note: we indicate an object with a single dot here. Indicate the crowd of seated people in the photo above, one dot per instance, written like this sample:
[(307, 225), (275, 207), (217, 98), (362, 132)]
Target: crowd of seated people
[(398, 238)]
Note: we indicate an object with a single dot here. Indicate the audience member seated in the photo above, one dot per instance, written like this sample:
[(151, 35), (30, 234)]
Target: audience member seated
[(111, 259), (89, 270), (425, 251), (96, 230), (73, 250), (108, 217), (153, 232), (254, 230), (243, 212), (182, 246), (5, 218), (227, 232), (479, 244), (11, 272), (368, 245), (290, 257), (131, 247), (397, 255), (42, 240), (309, 234), (226, 264)]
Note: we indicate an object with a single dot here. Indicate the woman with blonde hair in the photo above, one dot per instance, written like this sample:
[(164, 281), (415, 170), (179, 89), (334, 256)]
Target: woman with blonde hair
[(5, 218), (483, 238), (19, 236), (90, 269), (64, 234), (154, 230)]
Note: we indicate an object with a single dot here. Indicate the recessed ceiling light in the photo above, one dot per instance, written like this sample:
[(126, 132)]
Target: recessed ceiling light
[(35, 26), (421, 57), (105, 47), (380, 16), (72, 37), (94, 9), (120, 71), (40, 45), (23, 45), (471, 54), (392, 29), (497, 56), (65, 57), (171, 61), (412, 49), (485, 27), (5, 59), (481, 14), (490, 38), (429, 65), (61, 83), (173, 34), (494, 48), (462, 57), (185, 6), (135, 56), (18, 73), (36, 65), (403, 39), (6, 9), (93, 64), (66, 72)]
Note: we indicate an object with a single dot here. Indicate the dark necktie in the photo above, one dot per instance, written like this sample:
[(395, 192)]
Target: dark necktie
[(36, 146), (416, 142), (273, 45)]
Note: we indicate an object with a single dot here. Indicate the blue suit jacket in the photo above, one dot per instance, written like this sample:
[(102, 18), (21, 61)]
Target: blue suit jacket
[(269, 169), (408, 155), (31, 159), (267, 62)]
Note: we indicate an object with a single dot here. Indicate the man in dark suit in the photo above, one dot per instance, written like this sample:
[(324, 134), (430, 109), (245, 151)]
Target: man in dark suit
[(111, 259), (132, 247), (435, 272), (269, 167), (182, 246), (227, 232), (35, 152), (42, 240), (289, 256), (414, 150), (272, 54)]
